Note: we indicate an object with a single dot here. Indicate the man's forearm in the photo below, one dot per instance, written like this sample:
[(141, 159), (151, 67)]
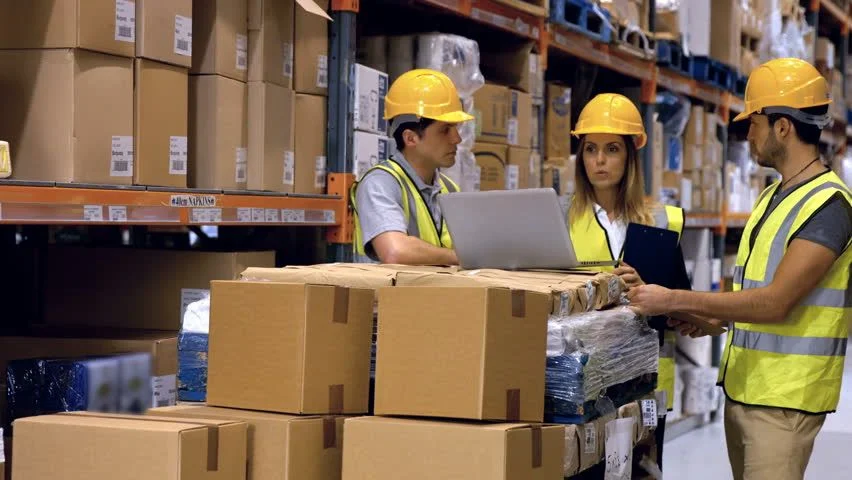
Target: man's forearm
[(414, 251), (749, 306)]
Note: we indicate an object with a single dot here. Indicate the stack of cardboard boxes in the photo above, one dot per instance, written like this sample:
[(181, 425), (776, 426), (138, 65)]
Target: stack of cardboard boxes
[(692, 173), (370, 143), (559, 165), (154, 92), (754, 16), (825, 63)]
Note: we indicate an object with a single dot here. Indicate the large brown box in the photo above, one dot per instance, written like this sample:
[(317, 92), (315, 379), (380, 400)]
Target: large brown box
[(68, 115), (557, 128), (518, 168), (491, 105), (161, 121), (271, 34), (725, 29), (461, 352), (218, 133), (220, 38), (280, 447), (377, 448), (311, 138), (310, 67), (271, 137), (289, 348), (106, 26), (520, 119), (88, 446), (82, 286), (165, 31), (491, 159)]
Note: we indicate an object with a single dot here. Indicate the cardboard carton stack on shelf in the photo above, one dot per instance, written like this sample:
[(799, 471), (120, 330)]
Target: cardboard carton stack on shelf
[(725, 25), (559, 164), (753, 22), (692, 173)]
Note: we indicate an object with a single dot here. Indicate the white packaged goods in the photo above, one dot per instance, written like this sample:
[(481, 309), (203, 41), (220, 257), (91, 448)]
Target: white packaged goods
[(368, 149), (700, 393), (369, 88)]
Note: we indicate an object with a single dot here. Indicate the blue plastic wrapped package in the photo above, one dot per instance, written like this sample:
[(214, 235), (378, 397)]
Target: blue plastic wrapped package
[(192, 351)]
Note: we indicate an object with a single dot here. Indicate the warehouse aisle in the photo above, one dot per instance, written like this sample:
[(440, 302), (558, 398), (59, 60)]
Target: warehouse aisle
[(703, 452)]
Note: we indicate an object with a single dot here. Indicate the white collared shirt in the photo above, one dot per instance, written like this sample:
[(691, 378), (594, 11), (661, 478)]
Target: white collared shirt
[(616, 230)]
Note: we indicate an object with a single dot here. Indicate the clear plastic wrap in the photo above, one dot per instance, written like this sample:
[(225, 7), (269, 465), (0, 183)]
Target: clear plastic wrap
[(673, 112), (192, 352), (590, 353), (456, 56), (785, 37)]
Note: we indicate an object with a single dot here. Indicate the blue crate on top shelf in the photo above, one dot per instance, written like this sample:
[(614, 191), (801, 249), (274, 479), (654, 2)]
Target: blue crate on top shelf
[(671, 55), (714, 72), (582, 16), (740, 87)]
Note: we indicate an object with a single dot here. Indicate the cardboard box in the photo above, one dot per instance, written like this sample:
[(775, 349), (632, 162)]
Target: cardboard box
[(280, 447), (492, 160), (557, 142), (311, 143), (535, 170), (491, 105), (218, 133), (313, 357), (536, 119), (165, 31), (514, 65), (658, 160), (83, 287), (311, 59), (694, 133), (107, 26), (725, 28), (520, 120), (270, 31), (825, 52), (220, 38), (378, 448), (154, 447), (712, 122), (161, 122), (489, 367), (693, 157), (559, 177), (68, 115), (368, 149), (271, 138), (518, 168), (369, 88)]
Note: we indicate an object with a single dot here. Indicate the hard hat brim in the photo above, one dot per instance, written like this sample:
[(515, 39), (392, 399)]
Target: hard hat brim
[(640, 139), (454, 117), (742, 116)]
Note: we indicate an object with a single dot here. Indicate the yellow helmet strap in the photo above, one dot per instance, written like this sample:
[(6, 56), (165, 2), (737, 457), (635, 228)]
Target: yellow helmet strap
[(820, 121)]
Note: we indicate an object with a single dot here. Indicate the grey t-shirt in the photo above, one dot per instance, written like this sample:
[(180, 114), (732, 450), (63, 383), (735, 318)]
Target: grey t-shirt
[(378, 201), (830, 227)]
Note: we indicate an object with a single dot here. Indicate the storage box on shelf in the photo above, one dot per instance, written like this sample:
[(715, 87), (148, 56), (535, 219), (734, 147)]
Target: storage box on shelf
[(220, 39)]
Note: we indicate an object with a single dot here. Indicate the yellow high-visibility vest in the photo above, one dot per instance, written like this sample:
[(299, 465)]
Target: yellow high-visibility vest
[(421, 225), (796, 364)]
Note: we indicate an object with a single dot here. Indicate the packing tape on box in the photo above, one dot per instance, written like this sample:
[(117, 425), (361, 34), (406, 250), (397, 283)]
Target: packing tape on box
[(536, 446), (212, 431), (335, 399), (513, 405), (329, 432), (341, 305), (519, 303)]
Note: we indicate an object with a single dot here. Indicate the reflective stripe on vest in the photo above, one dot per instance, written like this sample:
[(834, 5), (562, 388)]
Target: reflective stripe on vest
[(420, 222), (797, 364)]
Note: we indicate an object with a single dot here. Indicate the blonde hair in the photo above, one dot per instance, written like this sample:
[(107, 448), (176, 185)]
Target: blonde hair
[(630, 198)]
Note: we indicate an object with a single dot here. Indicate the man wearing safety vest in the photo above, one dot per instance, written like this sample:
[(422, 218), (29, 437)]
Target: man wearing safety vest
[(397, 217), (783, 363)]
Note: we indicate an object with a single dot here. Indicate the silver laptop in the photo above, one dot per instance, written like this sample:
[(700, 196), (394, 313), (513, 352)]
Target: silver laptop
[(510, 230)]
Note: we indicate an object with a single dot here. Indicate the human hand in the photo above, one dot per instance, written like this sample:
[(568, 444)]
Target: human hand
[(650, 300), (629, 275), (685, 328)]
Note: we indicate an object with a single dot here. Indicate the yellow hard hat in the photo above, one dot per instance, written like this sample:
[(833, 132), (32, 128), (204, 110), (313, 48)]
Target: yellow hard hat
[(787, 83), (612, 113), (425, 94)]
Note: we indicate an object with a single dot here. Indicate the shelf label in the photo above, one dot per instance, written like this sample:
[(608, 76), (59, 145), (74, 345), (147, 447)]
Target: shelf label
[(258, 215), (117, 213), (193, 201), (206, 215), (292, 216), (244, 215), (328, 216), (93, 213), (272, 215)]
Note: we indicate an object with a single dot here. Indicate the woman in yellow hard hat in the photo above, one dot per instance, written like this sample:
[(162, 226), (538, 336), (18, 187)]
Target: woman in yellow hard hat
[(609, 194)]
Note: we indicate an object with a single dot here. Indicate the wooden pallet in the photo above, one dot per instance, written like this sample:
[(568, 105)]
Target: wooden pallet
[(539, 8)]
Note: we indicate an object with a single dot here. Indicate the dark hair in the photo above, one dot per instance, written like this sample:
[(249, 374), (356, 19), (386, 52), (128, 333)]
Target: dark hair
[(807, 133), (416, 127)]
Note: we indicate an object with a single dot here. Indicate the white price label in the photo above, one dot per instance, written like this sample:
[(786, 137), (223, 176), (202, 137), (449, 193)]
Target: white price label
[(289, 168), (93, 213), (649, 413), (590, 446), (258, 215), (191, 295), (183, 35), (242, 52), (513, 131), (206, 215), (121, 164), (328, 216), (164, 390), (272, 215), (292, 216), (242, 165), (513, 177), (287, 53), (125, 21), (244, 215), (117, 213), (322, 71), (319, 172), (178, 155)]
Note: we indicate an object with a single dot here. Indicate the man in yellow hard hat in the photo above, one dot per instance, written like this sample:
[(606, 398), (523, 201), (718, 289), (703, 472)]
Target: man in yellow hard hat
[(783, 363), (397, 217)]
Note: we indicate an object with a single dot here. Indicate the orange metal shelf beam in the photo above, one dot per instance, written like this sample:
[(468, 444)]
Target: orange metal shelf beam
[(496, 14), (597, 53)]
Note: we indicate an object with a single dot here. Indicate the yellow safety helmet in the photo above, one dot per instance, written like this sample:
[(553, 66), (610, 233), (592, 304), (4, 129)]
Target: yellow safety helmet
[(786, 85), (612, 113), (425, 93)]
